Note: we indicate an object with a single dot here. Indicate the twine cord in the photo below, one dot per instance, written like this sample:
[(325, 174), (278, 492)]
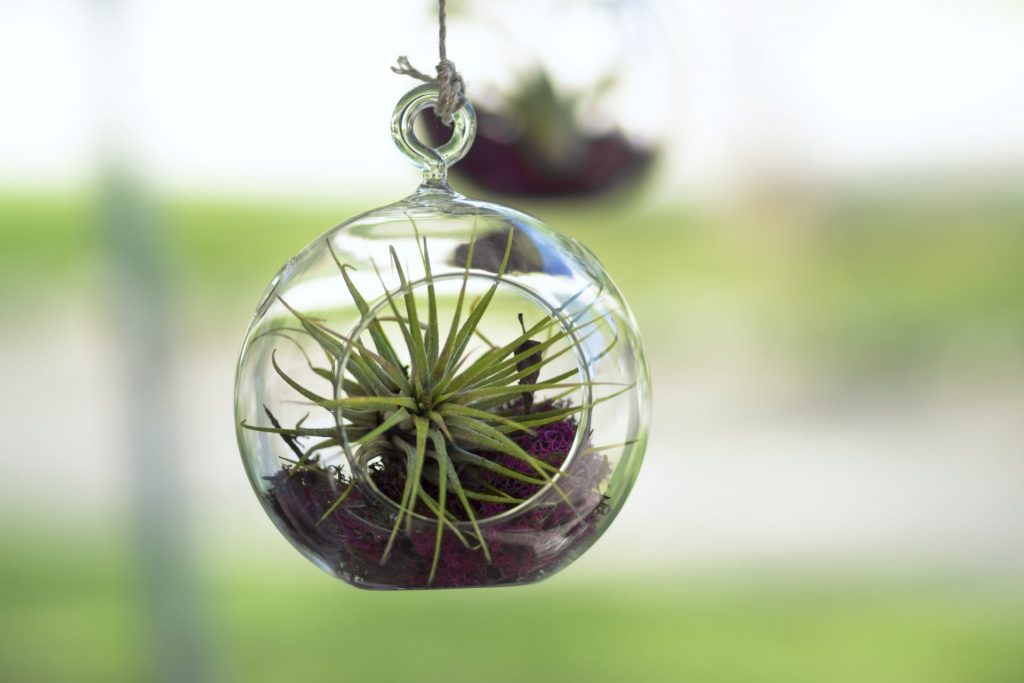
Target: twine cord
[(451, 88)]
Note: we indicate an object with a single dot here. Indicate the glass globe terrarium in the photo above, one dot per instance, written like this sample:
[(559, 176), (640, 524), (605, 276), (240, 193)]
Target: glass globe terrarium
[(572, 95), (442, 392)]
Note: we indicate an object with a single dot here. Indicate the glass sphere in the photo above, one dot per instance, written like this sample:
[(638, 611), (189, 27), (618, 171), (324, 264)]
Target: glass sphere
[(442, 392), (573, 96)]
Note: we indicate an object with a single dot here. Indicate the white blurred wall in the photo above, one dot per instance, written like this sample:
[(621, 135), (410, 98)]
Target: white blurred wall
[(295, 98)]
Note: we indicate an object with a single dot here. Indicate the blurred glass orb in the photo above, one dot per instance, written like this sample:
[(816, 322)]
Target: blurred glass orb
[(572, 96)]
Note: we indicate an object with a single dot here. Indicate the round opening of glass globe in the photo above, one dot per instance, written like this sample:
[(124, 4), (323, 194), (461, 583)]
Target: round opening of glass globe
[(502, 413)]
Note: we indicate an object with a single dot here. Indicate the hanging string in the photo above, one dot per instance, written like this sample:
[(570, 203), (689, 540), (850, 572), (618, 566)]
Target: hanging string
[(451, 88)]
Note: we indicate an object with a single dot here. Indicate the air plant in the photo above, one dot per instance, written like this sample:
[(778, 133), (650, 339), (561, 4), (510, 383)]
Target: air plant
[(536, 145), (451, 436)]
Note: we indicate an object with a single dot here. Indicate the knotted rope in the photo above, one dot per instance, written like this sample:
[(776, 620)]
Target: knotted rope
[(451, 88)]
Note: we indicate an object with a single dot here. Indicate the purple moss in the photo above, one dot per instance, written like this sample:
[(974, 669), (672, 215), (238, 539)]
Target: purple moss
[(523, 547), (516, 167)]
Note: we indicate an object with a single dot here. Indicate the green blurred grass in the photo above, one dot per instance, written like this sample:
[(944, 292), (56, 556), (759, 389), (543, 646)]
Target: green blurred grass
[(862, 284), (72, 613), (865, 284)]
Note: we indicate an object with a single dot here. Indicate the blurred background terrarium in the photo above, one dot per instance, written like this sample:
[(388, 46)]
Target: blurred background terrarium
[(573, 117), (442, 392)]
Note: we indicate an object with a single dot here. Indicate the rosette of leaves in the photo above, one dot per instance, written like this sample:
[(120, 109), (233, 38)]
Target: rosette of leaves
[(434, 411)]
